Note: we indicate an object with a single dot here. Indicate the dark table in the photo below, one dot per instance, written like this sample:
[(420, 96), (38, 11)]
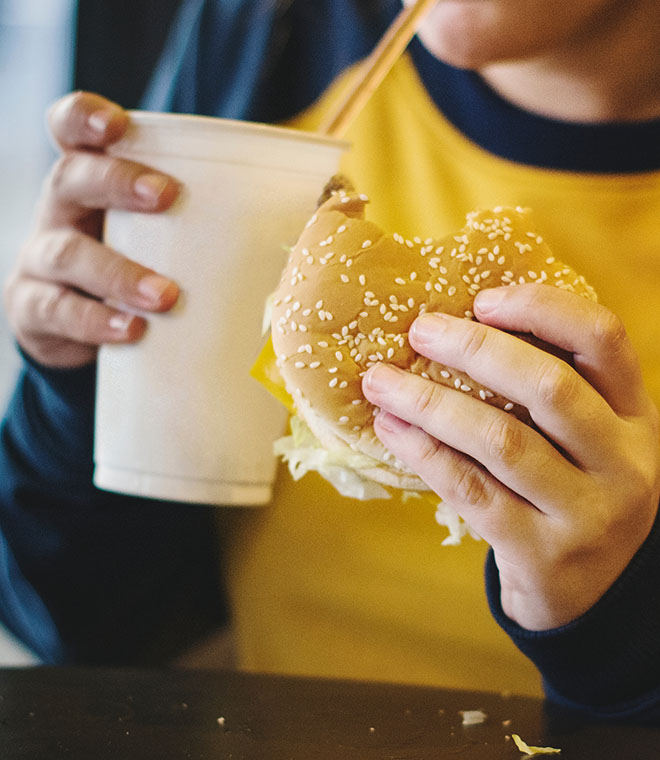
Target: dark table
[(53, 713)]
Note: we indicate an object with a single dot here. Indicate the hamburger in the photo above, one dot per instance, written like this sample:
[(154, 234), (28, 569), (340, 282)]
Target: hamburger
[(347, 297)]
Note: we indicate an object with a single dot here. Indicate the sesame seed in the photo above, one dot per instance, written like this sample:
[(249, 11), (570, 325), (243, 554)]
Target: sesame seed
[(344, 278), (333, 382), (343, 419), (299, 365), (508, 407), (366, 244), (314, 365)]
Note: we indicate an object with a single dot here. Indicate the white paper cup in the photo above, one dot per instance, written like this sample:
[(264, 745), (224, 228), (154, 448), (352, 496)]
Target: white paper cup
[(177, 414)]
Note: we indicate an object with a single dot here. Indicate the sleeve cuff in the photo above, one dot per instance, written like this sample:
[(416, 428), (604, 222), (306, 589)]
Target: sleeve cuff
[(69, 384), (607, 661)]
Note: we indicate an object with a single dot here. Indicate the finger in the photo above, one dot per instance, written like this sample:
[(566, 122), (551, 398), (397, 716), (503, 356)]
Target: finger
[(55, 312), (485, 504), (80, 182), (513, 452), (603, 354), (86, 120), (559, 400), (68, 257)]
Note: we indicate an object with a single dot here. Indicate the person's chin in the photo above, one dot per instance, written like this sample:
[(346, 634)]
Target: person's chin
[(456, 32), (461, 52)]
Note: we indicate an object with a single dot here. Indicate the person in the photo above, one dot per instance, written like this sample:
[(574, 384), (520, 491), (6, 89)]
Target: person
[(497, 102)]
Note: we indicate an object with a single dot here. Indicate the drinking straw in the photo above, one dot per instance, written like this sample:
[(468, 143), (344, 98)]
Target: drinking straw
[(374, 68)]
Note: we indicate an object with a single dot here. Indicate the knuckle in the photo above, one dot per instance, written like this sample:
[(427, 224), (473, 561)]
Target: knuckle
[(116, 179), (558, 384), (428, 452), (608, 330), (474, 341), (47, 306), (470, 486), (56, 179), (504, 440), (116, 274), (84, 327), (644, 476), (427, 400), (61, 248)]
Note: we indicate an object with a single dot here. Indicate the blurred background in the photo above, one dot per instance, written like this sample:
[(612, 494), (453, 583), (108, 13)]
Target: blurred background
[(47, 48), (36, 64)]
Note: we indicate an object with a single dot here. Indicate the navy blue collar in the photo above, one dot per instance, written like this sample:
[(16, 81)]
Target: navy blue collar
[(526, 138)]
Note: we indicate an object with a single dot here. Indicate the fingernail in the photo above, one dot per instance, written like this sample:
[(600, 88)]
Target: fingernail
[(381, 378), (152, 287), (428, 326), (489, 300), (120, 322), (150, 186), (99, 120), (391, 423)]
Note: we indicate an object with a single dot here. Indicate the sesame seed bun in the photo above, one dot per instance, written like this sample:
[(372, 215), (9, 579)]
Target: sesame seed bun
[(350, 292)]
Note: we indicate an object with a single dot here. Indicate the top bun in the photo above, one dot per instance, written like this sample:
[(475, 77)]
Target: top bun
[(350, 292)]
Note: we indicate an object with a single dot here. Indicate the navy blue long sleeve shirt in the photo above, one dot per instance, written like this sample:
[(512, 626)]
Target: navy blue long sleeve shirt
[(89, 576)]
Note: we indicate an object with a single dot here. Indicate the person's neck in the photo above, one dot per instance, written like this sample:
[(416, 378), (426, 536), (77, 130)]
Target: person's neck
[(612, 77)]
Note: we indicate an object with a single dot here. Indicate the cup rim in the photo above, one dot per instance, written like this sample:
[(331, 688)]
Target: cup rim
[(161, 119)]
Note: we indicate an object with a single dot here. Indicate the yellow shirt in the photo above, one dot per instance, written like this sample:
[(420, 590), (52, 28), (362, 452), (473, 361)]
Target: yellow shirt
[(325, 585)]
